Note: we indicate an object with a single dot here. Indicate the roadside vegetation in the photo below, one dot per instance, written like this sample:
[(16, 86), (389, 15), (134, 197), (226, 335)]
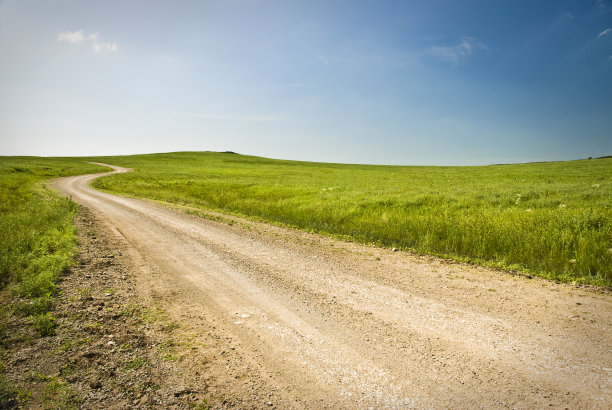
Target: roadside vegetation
[(37, 241), (547, 219)]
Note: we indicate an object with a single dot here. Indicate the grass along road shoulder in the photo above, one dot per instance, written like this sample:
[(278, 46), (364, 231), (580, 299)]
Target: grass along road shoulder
[(548, 219), (109, 349), (37, 241)]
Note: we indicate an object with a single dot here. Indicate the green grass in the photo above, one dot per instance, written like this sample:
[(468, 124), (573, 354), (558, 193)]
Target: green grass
[(7, 391), (37, 241), (548, 219), (58, 395)]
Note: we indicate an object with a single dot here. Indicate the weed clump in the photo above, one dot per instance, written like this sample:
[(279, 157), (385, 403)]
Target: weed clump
[(44, 324)]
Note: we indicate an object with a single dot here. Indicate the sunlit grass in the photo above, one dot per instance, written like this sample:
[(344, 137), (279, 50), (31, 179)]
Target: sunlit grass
[(37, 245), (549, 219), (37, 240)]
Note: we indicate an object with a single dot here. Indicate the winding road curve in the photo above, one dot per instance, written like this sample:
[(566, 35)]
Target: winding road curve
[(299, 320)]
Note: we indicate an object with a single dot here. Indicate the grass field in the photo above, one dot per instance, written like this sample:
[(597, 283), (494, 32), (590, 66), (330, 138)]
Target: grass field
[(547, 219), (36, 233)]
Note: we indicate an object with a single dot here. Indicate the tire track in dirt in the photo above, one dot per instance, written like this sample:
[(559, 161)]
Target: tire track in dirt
[(305, 321)]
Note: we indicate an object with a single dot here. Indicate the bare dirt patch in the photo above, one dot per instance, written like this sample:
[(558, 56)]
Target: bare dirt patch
[(109, 349)]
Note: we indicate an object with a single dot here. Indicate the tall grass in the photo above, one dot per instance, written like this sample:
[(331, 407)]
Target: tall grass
[(37, 244), (549, 219), (37, 241)]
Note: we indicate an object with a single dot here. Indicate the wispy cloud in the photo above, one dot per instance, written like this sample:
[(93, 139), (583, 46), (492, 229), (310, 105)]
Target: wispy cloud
[(78, 38), (603, 33), (254, 118), (389, 59), (458, 53), (323, 60), (602, 6)]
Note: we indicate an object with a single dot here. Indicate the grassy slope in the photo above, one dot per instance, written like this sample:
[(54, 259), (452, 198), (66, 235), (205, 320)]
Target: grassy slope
[(37, 241), (550, 219)]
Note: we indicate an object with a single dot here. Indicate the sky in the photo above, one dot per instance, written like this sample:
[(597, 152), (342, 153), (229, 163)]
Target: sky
[(430, 82)]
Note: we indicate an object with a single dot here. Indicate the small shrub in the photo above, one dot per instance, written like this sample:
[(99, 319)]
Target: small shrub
[(44, 324)]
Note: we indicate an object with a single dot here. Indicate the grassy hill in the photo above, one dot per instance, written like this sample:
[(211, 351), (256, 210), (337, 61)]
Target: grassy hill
[(548, 219)]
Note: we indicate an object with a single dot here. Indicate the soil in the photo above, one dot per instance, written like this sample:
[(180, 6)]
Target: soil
[(109, 349), (234, 313)]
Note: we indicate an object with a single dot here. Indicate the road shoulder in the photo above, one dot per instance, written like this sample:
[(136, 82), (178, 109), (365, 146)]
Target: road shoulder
[(110, 349)]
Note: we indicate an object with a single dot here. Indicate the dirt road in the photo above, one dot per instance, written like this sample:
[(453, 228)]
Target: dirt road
[(291, 319)]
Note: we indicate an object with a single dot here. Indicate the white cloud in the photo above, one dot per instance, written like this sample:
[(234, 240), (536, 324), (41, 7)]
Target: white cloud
[(72, 37), (78, 38), (603, 33), (455, 54)]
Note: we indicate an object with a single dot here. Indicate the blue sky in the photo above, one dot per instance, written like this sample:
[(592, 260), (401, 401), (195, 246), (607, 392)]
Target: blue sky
[(387, 82)]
